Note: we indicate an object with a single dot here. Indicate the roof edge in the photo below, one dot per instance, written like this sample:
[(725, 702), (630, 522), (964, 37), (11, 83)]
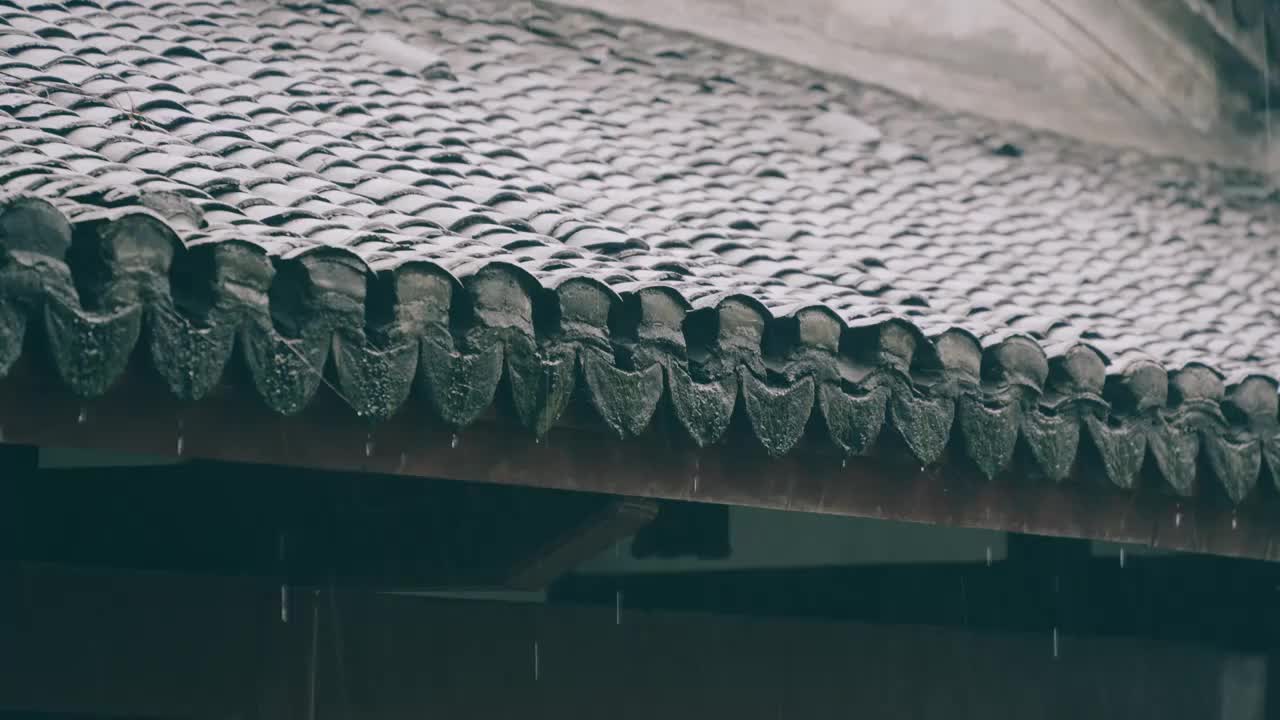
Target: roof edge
[(1026, 413)]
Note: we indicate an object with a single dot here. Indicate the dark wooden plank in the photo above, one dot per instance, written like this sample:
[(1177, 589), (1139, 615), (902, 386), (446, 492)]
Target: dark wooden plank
[(1272, 679), (17, 466), (145, 645), (184, 647), (1221, 602), (309, 527), (137, 416), (1272, 699)]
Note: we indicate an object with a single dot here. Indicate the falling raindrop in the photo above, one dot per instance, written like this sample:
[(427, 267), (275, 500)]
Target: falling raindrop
[(1121, 557), (844, 463), (83, 416), (453, 441), (536, 668), (1, 433), (617, 608), (368, 445), (988, 556), (1235, 522), (284, 588), (182, 440), (404, 460), (1055, 643), (697, 472), (1177, 519)]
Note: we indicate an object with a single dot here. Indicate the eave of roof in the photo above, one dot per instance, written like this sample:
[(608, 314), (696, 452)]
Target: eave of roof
[(139, 416), (308, 262), (459, 343)]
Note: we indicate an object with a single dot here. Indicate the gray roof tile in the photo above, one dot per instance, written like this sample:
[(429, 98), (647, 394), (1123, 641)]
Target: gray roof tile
[(508, 150)]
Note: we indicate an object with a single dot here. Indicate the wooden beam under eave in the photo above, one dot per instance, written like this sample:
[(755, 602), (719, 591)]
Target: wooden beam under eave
[(615, 523), (17, 465), (139, 416), (312, 528)]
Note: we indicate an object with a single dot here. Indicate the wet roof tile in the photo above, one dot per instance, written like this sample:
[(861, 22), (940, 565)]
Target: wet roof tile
[(571, 145)]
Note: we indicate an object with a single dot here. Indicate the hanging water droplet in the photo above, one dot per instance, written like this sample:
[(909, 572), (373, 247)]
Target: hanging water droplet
[(921, 468), (453, 441), (844, 463), (83, 416)]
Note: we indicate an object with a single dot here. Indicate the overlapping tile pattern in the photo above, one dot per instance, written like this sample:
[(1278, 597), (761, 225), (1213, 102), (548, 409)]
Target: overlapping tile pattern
[(467, 202)]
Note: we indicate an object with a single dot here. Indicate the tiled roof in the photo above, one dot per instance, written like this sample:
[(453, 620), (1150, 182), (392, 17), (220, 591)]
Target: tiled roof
[(452, 203)]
